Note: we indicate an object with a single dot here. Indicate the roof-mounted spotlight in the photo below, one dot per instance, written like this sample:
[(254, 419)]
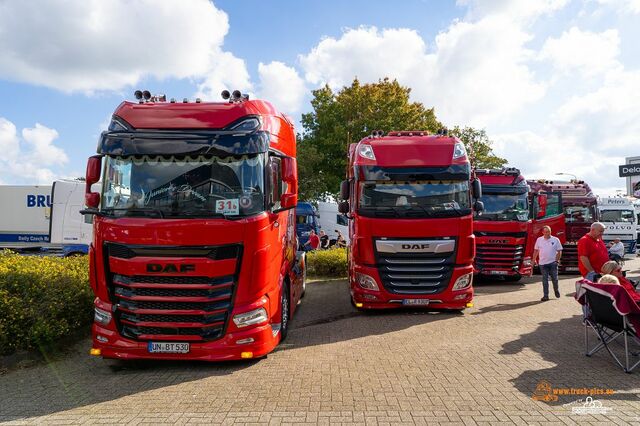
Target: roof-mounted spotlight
[(146, 95), (236, 95), (138, 94), (225, 94)]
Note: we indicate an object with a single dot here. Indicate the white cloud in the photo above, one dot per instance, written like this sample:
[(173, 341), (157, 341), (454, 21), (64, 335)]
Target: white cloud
[(9, 143), (282, 86), (515, 9), (623, 6), (227, 73), (95, 45), (40, 139), (588, 135), (584, 52), (29, 159), (474, 73)]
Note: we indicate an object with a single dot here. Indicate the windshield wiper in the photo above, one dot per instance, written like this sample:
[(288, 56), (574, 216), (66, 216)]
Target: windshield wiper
[(145, 210)]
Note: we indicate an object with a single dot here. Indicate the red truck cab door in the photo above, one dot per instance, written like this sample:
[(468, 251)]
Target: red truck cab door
[(547, 211)]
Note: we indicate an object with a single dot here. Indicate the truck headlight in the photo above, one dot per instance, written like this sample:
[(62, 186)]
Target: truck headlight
[(101, 316), (463, 282), (245, 319), (366, 282), (526, 261)]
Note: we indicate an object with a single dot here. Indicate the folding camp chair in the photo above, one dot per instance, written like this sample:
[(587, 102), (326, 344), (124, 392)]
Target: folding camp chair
[(612, 314)]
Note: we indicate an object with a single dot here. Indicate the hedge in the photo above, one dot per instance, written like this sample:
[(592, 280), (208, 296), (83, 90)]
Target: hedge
[(42, 300), (327, 263)]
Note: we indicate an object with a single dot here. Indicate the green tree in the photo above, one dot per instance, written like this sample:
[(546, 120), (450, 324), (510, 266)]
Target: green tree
[(478, 147), (345, 117)]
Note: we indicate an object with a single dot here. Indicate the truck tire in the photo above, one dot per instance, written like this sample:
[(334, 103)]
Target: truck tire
[(285, 311)]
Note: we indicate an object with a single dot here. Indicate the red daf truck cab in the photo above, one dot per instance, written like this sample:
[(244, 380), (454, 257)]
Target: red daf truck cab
[(408, 195), (193, 253), (579, 204), (512, 219)]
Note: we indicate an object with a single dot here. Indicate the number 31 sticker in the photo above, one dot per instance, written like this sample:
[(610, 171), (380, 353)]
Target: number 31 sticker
[(229, 207)]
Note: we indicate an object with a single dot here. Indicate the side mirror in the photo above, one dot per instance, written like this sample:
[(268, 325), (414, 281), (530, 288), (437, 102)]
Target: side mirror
[(288, 201), (289, 169), (343, 207), (476, 187), (94, 170), (478, 206), (92, 200), (344, 190)]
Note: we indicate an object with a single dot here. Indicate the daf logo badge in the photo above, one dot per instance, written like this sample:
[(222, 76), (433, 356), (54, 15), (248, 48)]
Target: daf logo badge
[(170, 268), (498, 241), (415, 246)]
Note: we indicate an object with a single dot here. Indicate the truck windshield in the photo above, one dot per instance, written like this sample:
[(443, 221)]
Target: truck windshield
[(414, 199), (184, 186), (504, 207), (578, 214), (617, 216)]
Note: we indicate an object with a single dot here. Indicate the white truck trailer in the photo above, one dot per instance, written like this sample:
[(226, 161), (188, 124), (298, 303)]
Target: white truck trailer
[(44, 219), (70, 230), (331, 220), (618, 215), (24, 217)]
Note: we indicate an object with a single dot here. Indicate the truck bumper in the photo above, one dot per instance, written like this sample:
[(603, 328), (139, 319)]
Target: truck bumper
[(382, 299), (223, 349)]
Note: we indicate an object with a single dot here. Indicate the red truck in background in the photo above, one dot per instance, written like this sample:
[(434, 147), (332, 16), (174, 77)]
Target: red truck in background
[(193, 253), (408, 195), (512, 219), (579, 204)]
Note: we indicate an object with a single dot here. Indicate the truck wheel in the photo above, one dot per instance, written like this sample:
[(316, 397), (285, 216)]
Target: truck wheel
[(284, 312)]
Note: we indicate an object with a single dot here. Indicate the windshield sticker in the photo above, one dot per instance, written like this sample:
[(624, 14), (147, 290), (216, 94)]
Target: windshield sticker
[(230, 206), (172, 190)]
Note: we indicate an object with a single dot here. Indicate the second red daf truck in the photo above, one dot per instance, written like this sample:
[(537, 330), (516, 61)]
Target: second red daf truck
[(579, 204), (193, 253), (409, 200), (512, 220)]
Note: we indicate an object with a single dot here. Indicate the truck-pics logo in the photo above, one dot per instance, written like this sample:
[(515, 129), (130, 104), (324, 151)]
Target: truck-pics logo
[(170, 268)]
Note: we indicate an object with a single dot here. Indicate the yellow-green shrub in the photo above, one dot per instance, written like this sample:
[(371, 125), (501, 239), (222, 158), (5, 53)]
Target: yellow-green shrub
[(327, 263), (42, 300)]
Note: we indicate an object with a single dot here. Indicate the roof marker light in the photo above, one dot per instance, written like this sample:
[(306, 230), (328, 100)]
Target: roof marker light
[(366, 151)]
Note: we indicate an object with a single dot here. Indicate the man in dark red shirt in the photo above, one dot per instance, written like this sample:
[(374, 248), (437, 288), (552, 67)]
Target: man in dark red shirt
[(592, 252), (314, 241)]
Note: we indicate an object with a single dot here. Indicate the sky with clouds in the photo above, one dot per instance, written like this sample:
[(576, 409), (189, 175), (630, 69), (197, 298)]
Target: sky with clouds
[(555, 83)]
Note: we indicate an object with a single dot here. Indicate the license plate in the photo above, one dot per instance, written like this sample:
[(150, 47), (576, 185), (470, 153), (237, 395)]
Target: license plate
[(168, 348), (498, 272), (415, 302)]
